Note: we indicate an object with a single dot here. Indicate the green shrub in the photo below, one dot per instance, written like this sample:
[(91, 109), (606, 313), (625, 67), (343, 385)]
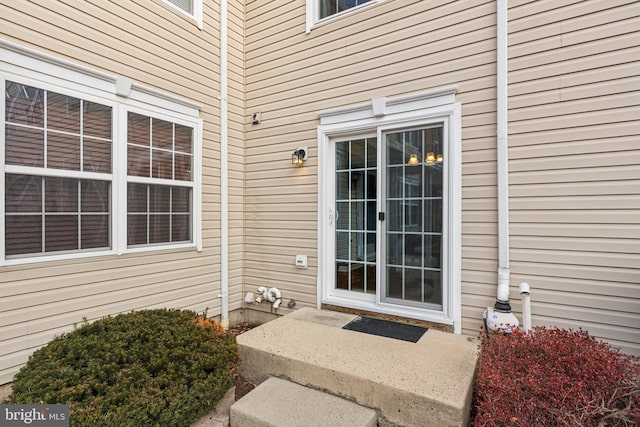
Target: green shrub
[(147, 368)]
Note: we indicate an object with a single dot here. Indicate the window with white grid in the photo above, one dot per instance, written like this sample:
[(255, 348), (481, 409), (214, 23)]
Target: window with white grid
[(89, 173), (57, 172), (160, 184)]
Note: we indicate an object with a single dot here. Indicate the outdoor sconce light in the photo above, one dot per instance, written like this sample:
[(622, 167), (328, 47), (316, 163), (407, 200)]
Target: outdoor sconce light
[(299, 156)]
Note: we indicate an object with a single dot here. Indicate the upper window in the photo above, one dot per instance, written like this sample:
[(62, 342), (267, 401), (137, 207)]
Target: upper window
[(87, 172), (193, 8), (320, 10), (186, 5), (331, 7)]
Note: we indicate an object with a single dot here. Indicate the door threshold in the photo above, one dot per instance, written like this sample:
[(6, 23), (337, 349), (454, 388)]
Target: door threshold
[(401, 319)]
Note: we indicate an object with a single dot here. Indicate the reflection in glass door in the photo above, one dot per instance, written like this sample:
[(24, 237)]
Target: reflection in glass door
[(355, 239), (413, 241)]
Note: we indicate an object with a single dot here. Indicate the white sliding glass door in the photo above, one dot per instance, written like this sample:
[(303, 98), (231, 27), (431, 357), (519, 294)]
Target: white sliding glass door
[(389, 207), (389, 218)]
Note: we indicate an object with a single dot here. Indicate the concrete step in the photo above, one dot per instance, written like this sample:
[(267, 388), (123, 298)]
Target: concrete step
[(427, 383), (280, 403)]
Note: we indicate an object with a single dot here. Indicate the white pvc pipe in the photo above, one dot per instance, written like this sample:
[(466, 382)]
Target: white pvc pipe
[(525, 295), (502, 153), (273, 294), (262, 294), (224, 172)]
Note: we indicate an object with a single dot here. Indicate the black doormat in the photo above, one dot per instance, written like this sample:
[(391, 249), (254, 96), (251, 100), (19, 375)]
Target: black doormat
[(386, 328)]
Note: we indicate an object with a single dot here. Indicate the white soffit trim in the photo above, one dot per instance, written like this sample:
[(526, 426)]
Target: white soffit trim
[(15, 55), (396, 105)]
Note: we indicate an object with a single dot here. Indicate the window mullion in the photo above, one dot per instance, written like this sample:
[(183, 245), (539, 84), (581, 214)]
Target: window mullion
[(45, 130), (81, 136), (171, 214), (57, 173), (148, 213), (150, 147), (43, 214), (160, 181), (119, 184), (173, 151), (79, 211)]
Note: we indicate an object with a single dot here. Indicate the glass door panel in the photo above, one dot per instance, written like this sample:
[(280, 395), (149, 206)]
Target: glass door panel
[(356, 191), (413, 225)]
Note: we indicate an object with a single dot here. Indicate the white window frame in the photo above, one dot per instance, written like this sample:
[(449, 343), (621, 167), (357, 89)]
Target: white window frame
[(197, 11), (34, 68), (50, 172), (313, 13), (124, 111), (378, 117)]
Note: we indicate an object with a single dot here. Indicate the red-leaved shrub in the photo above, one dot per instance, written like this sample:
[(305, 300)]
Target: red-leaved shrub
[(555, 377)]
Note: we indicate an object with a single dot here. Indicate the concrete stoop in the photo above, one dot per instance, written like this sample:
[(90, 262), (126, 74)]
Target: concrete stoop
[(427, 383), (280, 403)]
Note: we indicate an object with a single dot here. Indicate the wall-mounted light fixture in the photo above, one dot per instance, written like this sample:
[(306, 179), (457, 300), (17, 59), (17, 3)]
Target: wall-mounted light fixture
[(299, 156)]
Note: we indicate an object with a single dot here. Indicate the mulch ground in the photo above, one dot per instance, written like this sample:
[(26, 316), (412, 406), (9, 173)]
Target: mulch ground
[(242, 385), (240, 328)]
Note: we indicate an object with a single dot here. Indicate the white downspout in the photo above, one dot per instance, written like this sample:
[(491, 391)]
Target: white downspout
[(502, 309), (224, 173), (502, 154)]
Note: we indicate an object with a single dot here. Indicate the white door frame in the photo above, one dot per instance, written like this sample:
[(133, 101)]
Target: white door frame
[(382, 115)]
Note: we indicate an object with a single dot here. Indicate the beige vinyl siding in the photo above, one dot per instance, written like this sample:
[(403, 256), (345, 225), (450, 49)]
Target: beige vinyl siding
[(386, 49), (574, 153), (158, 47), (573, 143)]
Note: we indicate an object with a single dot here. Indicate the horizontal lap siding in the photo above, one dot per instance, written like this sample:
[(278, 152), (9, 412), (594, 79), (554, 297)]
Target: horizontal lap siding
[(156, 46), (387, 49), (574, 150)]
